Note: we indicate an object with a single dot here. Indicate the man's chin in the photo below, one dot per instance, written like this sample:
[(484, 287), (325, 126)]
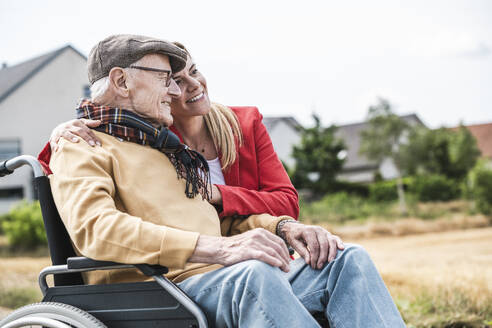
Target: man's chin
[(166, 120)]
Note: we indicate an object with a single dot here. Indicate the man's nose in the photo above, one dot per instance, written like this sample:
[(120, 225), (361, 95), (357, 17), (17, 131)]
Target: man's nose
[(174, 90)]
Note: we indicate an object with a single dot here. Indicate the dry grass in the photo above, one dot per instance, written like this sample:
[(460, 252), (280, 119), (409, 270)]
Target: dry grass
[(19, 283), (438, 278), (21, 272), (408, 226)]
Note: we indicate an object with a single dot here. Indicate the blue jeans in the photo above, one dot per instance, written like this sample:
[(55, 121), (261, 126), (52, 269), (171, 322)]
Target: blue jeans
[(349, 291)]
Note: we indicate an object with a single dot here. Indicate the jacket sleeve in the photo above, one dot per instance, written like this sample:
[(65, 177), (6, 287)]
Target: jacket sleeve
[(44, 158), (234, 225), (85, 193), (276, 195)]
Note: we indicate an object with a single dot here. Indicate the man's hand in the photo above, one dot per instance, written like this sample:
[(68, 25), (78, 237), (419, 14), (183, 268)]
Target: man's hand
[(73, 128), (313, 243), (258, 244)]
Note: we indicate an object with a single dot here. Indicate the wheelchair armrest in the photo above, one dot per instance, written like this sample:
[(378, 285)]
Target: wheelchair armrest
[(87, 263), (152, 269)]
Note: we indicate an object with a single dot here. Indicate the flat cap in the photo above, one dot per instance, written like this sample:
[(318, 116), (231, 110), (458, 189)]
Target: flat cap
[(124, 49)]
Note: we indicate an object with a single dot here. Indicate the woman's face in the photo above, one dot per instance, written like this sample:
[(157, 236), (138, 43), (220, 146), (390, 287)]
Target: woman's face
[(194, 99)]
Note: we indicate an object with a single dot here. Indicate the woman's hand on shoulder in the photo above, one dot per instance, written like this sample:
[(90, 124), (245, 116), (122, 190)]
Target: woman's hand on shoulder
[(75, 128)]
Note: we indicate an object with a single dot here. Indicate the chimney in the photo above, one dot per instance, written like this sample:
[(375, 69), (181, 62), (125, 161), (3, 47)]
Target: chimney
[(4, 65)]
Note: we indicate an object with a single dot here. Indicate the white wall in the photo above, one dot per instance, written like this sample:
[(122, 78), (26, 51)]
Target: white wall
[(284, 137), (388, 169), (361, 176), (33, 110)]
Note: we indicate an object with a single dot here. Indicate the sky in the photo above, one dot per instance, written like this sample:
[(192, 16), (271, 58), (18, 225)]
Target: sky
[(293, 58)]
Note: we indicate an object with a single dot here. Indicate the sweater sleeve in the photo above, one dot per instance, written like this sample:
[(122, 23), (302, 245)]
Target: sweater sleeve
[(276, 195), (234, 225), (84, 193)]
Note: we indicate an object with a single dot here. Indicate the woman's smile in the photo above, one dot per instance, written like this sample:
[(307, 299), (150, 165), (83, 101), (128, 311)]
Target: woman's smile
[(195, 98)]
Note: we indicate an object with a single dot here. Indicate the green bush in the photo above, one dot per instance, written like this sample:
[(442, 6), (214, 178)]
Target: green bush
[(351, 188), (24, 227), (383, 191), (386, 191), (341, 207), (434, 187), (481, 188), (3, 217)]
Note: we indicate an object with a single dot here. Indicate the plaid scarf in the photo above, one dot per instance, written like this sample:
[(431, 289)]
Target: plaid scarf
[(124, 124)]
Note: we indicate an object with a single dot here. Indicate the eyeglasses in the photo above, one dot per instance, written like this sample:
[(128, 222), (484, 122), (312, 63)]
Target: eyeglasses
[(150, 69)]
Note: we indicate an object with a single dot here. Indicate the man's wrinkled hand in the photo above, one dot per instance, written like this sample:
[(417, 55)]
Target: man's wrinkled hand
[(315, 244), (257, 244)]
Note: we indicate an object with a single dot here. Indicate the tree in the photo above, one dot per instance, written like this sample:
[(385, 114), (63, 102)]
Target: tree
[(463, 153), (452, 153), (427, 152), (317, 158), (383, 139)]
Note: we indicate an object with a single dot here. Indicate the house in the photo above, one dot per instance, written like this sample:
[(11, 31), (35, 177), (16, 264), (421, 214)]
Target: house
[(483, 135), (285, 134), (357, 167), (35, 96)]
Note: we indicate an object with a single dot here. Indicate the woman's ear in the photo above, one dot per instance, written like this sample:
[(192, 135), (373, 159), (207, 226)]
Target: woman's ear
[(118, 81)]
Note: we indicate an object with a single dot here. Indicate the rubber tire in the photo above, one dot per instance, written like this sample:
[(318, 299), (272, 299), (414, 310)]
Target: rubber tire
[(58, 311)]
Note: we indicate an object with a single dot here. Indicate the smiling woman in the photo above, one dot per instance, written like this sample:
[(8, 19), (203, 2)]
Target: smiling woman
[(247, 176)]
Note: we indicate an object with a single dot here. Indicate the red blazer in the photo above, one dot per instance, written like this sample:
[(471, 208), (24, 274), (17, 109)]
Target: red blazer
[(256, 182)]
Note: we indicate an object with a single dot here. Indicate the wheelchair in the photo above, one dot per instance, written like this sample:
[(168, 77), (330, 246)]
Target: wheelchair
[(70, 303)]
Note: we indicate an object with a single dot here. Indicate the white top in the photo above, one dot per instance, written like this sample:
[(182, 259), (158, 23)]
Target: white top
[(216, 175)]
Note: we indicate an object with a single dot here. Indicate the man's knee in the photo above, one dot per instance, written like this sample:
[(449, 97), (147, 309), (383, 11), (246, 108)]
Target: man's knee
[(354, 255), (257, 273), (259, 268), (354, 250)]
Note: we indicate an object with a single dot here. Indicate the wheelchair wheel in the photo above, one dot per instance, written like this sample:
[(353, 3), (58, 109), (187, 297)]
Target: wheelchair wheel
[(52, 315)]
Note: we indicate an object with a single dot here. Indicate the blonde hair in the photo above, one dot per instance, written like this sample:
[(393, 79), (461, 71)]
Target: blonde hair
[(223, 125)]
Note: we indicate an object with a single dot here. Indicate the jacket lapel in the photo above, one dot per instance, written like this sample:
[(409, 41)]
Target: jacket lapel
[(176, 132)]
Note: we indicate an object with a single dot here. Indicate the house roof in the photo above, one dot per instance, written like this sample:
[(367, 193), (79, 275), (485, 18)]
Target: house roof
[(13, 77), (350, 134), (271, 122), (483, 135)]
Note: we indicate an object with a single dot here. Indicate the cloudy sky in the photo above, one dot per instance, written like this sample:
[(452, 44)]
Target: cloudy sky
[(430, 57)]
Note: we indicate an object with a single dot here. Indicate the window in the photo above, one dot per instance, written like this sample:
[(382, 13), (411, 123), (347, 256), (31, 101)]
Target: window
[(9, 148), (15, 192)]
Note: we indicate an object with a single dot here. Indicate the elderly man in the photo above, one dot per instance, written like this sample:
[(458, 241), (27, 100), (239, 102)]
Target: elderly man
[(123, 202)]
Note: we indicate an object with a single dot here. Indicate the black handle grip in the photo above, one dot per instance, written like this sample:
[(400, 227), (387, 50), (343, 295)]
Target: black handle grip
[(4, 170)]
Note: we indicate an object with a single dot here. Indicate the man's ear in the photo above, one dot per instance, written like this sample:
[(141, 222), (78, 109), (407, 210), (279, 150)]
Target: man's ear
[(118, 81)]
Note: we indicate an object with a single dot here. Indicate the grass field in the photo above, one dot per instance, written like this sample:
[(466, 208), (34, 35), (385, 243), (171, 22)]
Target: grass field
[(437, 279)]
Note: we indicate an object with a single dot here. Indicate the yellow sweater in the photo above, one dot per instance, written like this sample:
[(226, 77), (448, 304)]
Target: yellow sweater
[(123, 202)]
